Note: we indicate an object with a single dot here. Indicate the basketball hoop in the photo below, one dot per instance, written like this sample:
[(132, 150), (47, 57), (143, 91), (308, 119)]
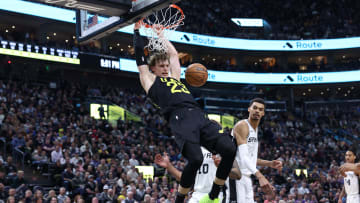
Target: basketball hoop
[(160, 25)]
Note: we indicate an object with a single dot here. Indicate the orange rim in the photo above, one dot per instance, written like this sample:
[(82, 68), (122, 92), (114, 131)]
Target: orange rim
[(167, 27)]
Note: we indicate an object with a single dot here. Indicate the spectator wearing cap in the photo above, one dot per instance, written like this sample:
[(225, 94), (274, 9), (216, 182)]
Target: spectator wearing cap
[(103, 194), (74, 160), (90, 188)]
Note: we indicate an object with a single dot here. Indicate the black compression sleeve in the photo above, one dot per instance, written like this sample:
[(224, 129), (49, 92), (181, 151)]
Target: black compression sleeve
[(139, 49)]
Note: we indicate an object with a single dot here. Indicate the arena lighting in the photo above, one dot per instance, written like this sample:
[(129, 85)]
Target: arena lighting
[(261, 78), (67, 15)]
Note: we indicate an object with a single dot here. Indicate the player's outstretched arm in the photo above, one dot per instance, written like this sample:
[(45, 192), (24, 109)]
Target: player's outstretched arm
[(174, 57), (275, 164), (235, 172), (265, 185), (164, 162), (146, 77), (342, 194), (349, 167)]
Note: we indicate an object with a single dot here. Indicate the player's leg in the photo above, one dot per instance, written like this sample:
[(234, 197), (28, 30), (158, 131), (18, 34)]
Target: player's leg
[(249, 191), (192, 152), (241, 190), (222, 144), (353, 198), (227, 150)]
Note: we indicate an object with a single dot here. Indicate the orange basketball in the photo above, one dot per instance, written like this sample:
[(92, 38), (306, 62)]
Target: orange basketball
[(196, 75)]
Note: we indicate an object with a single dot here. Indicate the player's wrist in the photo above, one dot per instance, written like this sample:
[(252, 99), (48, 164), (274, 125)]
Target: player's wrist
[(258, 174)]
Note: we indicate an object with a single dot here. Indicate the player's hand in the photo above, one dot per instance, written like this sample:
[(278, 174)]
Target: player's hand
[(216, 159), (346, 167), (138, 25), (162, 161), (265, 185), (276, 164), (340, 200)]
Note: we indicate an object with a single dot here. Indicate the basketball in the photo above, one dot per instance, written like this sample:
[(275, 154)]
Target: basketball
[(196, 75)]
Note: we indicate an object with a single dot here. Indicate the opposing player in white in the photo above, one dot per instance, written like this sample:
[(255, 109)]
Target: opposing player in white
[(205, 176), (351, 181), (246, 133)]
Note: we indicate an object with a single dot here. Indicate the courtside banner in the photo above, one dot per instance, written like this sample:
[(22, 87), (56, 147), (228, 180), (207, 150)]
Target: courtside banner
[(67, 15), (266, 78)]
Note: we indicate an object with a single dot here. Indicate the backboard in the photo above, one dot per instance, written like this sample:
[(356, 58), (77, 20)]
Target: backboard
[(98, 18)]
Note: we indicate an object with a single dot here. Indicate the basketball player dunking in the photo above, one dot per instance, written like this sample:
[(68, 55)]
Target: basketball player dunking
[(351, 181), (160, 79), (246, 133)]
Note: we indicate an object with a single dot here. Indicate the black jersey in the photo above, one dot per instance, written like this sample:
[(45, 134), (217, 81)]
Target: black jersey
[(170, 94)]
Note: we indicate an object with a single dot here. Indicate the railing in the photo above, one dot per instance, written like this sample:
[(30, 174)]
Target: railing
[(333, 105), (238, 105), (19, 156)]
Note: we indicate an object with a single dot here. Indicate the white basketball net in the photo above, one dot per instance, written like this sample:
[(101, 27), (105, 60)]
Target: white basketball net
[(162, 23)]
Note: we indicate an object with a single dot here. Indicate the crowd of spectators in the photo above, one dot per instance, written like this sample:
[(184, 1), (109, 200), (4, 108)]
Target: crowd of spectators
[(287, 19), (89, 160)]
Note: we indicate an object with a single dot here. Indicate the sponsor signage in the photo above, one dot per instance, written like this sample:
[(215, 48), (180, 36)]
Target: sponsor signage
[(68, 15), (39, 52), (266, 78), (109, 63), (248, 22)]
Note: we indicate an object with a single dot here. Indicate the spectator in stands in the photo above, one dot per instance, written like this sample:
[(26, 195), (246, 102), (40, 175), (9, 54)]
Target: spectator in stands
[(133, 161), (56, 154), (19, 182), (10, 168), (90, 188), (62, 195)]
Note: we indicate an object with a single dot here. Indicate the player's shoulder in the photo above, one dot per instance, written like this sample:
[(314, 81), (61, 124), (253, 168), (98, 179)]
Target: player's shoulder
[(241, 124), (241, 127)]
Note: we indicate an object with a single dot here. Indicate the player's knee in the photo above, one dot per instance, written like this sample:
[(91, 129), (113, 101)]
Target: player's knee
[(229, 149), (196, 161)]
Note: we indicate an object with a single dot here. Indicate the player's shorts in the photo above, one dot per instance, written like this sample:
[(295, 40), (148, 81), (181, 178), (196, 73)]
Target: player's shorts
[(192, 125), (244, 191), (353, 198), (196, 196)]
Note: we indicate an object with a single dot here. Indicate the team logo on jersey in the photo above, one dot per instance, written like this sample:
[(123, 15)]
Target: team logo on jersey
[(252, 139)]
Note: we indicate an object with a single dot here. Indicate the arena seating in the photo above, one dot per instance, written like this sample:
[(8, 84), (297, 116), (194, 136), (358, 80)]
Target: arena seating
[(46, 133), (313, 20)]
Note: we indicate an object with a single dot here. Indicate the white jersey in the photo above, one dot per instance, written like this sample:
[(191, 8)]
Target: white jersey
[(241, 191), (204, 177), (252, 145), (206, 174), (351, 183)]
